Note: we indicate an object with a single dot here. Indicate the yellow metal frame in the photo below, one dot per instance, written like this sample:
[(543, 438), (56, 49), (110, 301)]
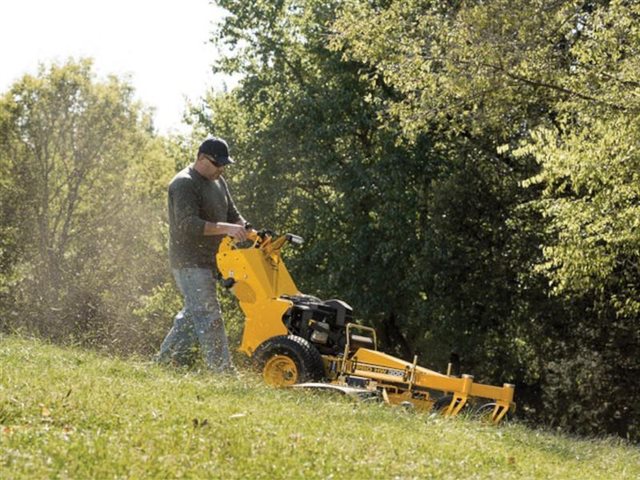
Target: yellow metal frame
[(412, 380), (260, 279)]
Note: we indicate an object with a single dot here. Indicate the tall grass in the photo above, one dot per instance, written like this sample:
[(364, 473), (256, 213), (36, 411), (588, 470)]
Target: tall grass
[(67, 413)]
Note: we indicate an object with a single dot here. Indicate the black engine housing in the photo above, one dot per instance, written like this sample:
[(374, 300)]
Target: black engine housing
[(321, 322)]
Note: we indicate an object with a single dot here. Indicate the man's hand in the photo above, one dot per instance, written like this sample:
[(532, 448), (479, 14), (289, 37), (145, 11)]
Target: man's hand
[(238, 232)]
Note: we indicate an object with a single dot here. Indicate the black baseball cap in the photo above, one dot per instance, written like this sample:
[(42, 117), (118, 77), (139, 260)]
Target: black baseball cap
[(217, 149)]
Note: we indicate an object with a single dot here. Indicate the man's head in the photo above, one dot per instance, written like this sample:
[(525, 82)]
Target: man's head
[(213, 156), (217, 149)]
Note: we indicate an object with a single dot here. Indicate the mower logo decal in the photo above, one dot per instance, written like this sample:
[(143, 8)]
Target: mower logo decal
[(385, 371)]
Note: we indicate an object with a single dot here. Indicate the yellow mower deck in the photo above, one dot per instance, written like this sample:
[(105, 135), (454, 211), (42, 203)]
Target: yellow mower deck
[(263, 286)]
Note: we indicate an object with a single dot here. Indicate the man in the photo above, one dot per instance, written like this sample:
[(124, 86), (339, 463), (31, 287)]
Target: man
[(201, 212)]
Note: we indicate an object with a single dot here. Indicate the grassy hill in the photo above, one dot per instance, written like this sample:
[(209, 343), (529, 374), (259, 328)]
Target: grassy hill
[(67, 413)]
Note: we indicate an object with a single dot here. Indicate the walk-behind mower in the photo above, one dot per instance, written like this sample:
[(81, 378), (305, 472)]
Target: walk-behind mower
[(299, 339)]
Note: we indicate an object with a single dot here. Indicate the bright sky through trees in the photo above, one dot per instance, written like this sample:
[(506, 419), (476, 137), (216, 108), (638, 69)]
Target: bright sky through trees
[(162, 45)]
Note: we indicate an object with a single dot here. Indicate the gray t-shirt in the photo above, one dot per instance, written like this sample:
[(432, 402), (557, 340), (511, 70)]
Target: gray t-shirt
[(194, 200)]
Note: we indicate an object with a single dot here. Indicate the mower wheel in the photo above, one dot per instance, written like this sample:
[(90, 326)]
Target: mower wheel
[(287, 360)]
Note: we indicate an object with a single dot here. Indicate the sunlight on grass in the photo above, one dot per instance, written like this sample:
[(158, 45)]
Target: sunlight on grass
[(73, 414)]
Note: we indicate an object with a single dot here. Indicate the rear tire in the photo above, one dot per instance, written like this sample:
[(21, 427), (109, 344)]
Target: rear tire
[(287, 360)]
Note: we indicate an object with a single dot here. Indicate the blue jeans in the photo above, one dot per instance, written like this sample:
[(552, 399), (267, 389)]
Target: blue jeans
[(198, 324)]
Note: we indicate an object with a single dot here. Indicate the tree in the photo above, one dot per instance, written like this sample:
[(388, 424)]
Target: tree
[(591, 196), (81, 198), (404, 133), (309, 140), (321, 154), (557, 80)]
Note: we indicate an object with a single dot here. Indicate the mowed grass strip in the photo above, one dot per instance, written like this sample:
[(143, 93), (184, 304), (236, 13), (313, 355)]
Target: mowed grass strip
[(68, 413)]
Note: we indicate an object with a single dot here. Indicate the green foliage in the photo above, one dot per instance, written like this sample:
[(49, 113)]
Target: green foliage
[(590, 196), (556, 81), (398, 136), (305, 126), (72, 413), (483, 67), (83, 205), (320, 155)]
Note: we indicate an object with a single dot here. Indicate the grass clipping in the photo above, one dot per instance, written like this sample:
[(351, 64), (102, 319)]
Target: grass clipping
[(66, 413)]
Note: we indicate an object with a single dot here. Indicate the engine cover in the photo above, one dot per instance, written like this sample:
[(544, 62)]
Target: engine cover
[(321, 322)]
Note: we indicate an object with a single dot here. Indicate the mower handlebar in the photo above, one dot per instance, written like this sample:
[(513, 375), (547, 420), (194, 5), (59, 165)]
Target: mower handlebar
[(264, 237)]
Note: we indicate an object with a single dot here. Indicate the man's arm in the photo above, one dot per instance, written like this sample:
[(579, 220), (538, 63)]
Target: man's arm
[(236, 225), (236, 230), (183, 206)]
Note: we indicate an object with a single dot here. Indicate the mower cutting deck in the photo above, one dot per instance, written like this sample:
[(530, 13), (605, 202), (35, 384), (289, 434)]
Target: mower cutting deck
[(295, 338)]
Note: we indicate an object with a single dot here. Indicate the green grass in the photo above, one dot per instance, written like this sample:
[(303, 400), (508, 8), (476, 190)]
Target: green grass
[(67, 413)]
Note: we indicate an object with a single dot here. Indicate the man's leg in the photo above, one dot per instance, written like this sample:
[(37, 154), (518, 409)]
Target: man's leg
[(202, 307), (180, 343)]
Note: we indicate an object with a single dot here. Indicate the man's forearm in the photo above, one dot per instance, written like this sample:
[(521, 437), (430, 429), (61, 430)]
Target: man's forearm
[(218, 228), (237, 230)]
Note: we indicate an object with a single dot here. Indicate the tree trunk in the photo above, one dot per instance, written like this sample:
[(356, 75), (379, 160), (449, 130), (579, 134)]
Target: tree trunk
[(393, 336)]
